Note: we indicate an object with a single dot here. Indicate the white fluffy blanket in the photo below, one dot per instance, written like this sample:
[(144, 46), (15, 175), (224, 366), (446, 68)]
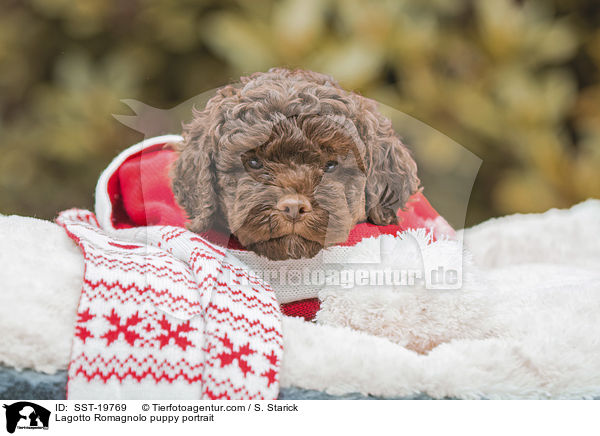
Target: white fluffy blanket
[(525, 324)]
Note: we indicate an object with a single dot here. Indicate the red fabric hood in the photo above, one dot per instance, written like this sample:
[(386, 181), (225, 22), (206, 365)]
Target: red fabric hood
[(135, 191)]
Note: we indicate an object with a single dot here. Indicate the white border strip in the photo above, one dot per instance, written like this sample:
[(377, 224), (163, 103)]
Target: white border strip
[(103, 205)]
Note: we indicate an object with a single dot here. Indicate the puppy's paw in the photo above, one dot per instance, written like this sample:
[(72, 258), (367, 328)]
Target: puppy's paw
[(382, 216)]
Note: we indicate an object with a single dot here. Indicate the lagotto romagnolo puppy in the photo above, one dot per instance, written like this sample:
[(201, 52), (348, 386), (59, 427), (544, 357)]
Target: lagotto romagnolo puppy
[(288, 162)]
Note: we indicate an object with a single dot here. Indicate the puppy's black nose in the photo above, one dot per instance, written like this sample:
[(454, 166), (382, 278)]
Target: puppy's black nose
[(293, 207)]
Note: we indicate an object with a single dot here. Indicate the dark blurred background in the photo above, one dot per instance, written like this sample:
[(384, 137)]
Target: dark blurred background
[(515, 82)]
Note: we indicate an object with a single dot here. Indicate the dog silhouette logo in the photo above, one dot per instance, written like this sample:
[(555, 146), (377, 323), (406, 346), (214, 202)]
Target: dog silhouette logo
[(26, 415)]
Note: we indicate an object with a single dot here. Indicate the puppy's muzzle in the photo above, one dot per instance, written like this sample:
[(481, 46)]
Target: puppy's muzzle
[(294, 207)]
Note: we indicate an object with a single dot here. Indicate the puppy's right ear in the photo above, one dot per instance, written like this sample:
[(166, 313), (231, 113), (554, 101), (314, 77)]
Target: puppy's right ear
[(193, 175)]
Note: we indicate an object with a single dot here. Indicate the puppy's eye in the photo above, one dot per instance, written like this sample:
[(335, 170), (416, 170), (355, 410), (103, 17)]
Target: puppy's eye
[(330, 166), (255, 163)]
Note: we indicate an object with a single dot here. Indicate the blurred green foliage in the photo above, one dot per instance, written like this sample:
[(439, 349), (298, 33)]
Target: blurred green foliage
[(515, 82)]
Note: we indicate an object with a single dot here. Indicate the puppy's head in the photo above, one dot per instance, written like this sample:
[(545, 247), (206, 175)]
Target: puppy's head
[(289, 162)]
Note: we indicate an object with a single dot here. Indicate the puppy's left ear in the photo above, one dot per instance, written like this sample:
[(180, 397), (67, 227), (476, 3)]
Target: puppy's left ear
[(390, 169)]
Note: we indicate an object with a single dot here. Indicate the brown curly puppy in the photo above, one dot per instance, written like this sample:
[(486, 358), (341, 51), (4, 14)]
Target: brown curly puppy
[(289, 162)]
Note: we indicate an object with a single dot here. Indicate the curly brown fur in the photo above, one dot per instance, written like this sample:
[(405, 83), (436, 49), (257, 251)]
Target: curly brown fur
[(273, 137)]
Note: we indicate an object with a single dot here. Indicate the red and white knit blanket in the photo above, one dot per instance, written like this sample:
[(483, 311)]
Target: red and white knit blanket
[(166, 314)]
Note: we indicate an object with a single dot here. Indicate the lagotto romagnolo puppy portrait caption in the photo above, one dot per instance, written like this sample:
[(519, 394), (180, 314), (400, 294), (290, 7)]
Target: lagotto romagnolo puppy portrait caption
[(289, 162)]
